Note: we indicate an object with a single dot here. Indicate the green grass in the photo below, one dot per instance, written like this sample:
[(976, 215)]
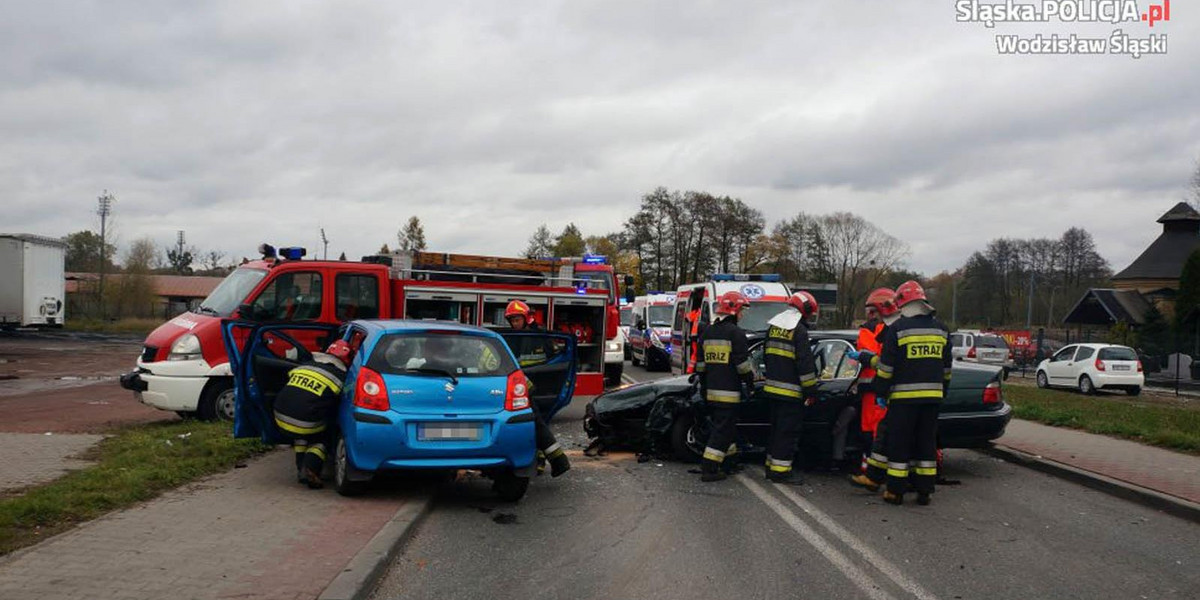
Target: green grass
[(135, 464), (1156, 424), (133, 326)]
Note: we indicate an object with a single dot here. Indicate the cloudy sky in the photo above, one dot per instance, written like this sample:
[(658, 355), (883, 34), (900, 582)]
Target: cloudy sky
[(242, 122)]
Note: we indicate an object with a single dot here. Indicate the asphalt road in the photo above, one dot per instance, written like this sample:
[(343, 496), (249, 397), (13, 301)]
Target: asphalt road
[(614, 528)]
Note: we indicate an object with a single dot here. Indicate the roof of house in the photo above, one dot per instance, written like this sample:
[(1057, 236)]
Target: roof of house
[(1164, 258), (174, 286), (1100, 306), (36, 239)]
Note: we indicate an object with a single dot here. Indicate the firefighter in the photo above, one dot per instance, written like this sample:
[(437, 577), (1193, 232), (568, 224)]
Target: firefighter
[(723, 368), (518, 315), (913, 373), (881, 313), (791, 382), (305, 408), (697, 327)]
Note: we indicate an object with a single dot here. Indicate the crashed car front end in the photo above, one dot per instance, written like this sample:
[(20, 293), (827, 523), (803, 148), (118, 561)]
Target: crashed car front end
[(635, 416)]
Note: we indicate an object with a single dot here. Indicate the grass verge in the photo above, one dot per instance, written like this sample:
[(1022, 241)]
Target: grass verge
[(135, 464), (1156, 424), (130, 326)]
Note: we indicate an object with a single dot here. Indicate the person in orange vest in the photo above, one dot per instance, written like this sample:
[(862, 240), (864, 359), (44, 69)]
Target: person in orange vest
[(881, 310), (697, 330)]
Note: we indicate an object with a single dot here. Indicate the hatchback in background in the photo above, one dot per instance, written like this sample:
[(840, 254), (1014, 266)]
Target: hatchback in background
[(418, 395), (983, 348), (1093, 367)]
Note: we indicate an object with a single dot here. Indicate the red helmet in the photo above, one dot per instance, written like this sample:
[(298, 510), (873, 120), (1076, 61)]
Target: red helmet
[(731, 303), (516, 308), (805, 303), (883, 300), (908, 292), (339, 350)]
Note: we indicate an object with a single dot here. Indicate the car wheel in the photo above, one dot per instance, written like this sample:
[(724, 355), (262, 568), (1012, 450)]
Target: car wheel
[(1042, 381), (341, 471), (1085, 386), (634, 359), (217, 401), (510, 487), (1133, 391), (687, 438)]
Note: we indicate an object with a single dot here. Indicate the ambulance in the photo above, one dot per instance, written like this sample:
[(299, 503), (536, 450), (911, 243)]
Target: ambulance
[(767, 294)]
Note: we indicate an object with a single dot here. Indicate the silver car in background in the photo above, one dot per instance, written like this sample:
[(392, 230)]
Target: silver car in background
[(983, 348)]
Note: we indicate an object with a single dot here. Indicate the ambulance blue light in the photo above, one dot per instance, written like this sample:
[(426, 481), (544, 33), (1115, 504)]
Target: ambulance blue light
[(581, 287), (294, 253), (771, 277), (595, 259)]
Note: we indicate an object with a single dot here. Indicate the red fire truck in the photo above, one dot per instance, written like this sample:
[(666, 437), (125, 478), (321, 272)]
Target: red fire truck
[(183, 366)]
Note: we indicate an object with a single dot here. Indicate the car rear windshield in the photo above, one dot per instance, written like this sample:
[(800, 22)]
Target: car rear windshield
[(435, 353), (990, 341), (1117, 354)]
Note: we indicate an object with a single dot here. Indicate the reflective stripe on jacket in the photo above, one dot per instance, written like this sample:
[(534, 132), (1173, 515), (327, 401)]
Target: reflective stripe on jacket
[(724, 361), (791, 370), (914, 362)]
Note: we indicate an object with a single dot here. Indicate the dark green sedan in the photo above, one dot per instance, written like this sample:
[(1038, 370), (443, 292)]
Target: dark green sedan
[(668, 416)]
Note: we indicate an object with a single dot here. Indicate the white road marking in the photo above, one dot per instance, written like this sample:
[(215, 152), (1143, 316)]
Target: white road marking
[(856, 575), (839, 532), (627, 379)]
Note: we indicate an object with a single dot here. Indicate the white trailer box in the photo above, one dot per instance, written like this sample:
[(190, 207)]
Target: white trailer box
[(32, 282)]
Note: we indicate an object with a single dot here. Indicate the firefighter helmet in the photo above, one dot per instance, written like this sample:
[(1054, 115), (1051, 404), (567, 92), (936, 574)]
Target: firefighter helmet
[(805, 303), (516, 308), (731, 303), (909, 291), (340, 350), (883, 300)]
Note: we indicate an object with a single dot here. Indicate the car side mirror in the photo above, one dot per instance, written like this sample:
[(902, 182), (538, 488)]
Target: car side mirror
[(629, 292), (246, 311), (641, 324)]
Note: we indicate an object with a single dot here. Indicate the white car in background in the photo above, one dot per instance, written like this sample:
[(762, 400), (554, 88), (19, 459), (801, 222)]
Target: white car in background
[(1092, 367), (980, 347)]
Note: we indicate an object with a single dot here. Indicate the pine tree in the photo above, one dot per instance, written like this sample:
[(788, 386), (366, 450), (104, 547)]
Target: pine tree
[(541, 243), (412, 236)]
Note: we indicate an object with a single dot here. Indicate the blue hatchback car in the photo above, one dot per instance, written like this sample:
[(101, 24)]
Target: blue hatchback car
[(418, 394)]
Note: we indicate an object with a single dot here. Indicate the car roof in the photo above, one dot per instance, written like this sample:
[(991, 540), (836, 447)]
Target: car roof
[(1098, 346), (415, 326), (850, 335)]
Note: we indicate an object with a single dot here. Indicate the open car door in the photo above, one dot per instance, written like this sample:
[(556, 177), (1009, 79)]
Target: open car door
[(260, 357), (548, 361)]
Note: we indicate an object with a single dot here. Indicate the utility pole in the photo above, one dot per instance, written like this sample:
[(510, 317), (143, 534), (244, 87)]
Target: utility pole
[(325, 241), (104, 209), (1029, 313)]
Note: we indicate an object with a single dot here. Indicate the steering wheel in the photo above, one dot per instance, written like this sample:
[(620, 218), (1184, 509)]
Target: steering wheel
[(303, 354)]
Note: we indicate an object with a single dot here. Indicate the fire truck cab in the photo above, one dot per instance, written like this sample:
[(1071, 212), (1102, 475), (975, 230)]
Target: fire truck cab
[(767, 294), (183, 365)]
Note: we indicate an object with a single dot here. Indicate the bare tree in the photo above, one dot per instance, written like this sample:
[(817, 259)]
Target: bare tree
[(860, 255)]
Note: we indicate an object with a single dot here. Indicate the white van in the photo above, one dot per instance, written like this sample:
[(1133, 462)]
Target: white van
[(768, 297)]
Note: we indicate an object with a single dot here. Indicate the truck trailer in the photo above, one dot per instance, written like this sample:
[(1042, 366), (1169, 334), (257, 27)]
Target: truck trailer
[(32, 281)]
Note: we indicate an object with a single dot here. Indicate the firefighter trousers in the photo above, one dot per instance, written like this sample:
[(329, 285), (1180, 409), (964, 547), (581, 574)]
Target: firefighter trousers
[(912, 438), (311, 450), (876, 455), (721, 439), (547, 444), (787, 420)]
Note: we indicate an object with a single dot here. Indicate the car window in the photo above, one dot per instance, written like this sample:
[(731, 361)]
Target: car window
[(956, 340), (1064, 355), (990, 341), (357, 296), (832, 362), (626, 317), (355, 339), (1117, 353), (423, 353), (290, 297), (1084, 353)]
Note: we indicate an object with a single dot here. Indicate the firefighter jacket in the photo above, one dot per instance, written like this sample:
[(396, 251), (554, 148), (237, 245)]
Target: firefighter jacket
[(869, 336), (724, 361), (310, 398), (791, 371), (914, 362)]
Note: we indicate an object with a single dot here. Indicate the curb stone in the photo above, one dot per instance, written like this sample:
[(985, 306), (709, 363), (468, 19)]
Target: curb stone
[(357, 580), (1153, 499)]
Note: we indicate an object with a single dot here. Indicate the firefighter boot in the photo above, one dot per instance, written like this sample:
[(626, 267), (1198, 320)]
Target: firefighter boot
[(923, 498), (862, 481), (710, 471), (785, 478), (891, 498), (559, 464)]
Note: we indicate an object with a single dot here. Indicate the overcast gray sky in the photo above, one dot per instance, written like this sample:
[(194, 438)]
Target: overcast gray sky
[(242, 122)]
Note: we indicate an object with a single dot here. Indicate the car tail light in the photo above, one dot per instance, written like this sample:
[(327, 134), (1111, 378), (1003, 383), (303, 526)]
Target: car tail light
[(517, 396), (991, 393), (370, 391), (971, 352), (1010, 354), (1139, 366), (1099, 365)]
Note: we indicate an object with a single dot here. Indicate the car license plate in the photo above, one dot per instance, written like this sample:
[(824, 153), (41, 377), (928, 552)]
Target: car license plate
[(449, 433), (1120, 367)]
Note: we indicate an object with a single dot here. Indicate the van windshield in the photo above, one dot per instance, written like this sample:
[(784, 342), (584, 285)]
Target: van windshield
[(232, 292), (660, 316), (755, 317)]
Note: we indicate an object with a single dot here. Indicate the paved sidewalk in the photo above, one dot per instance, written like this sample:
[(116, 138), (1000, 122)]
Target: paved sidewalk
[(1170, 473), (31, 458), (249, 533)]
